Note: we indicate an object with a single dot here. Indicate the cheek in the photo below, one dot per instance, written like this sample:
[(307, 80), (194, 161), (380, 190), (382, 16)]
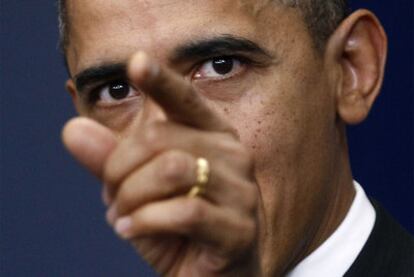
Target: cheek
[(117, 119), (267, 120), (271, 134), (285, 123)]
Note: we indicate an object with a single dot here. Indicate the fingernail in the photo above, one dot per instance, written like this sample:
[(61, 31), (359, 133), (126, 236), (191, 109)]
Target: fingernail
[(111, 214), (123, 226), (143, 67)]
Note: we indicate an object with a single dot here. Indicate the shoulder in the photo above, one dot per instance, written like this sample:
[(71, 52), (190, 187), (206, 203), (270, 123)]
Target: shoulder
[(389, 250)]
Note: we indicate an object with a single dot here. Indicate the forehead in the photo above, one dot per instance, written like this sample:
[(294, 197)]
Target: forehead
[(105, 30)]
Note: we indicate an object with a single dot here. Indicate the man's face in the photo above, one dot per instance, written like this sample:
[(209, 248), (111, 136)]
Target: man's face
[(253, 64)]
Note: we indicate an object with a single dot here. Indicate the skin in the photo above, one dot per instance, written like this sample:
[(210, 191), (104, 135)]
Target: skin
[(274, 133)]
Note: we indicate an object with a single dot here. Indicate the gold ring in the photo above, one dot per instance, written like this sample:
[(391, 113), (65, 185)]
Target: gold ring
[(202, 173)]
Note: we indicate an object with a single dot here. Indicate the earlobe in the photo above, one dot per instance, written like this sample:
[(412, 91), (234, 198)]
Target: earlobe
[(359, 48)]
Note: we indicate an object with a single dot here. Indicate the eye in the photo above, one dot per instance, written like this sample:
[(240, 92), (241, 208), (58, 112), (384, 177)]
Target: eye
[(219, 68), (114, 92)]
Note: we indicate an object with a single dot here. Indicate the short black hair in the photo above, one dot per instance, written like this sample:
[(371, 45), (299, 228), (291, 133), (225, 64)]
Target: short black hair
[(322, 17)]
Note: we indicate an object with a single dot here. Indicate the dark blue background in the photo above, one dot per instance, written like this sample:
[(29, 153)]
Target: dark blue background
[(51, 215)]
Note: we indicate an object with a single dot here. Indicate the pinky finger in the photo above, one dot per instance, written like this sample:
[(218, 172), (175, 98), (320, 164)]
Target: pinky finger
[(194, 218)]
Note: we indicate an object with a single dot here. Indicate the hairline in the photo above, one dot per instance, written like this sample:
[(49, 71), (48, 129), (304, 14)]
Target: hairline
[(310, 10)]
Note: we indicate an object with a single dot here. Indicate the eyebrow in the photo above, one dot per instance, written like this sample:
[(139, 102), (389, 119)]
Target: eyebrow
[(99, 73), (197, 49), (216, 46)]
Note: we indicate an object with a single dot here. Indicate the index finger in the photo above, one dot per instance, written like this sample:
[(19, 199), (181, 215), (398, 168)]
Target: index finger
[(177, 98)]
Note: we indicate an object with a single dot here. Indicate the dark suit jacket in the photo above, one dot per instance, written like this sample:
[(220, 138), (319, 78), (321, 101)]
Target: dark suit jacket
[(389, 250)]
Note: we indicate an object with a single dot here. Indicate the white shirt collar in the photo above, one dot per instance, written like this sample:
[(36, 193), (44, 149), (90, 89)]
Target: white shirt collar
[(336, 255)]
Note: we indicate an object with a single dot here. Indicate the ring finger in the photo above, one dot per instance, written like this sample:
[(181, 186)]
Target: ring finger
[(170, 174)]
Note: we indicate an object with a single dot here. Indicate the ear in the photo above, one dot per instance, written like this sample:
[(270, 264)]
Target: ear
[(359, 49), (71, 88)]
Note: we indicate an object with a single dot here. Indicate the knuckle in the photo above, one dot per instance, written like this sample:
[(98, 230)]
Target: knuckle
[(245, 158), (193, 212), (250, 229), (239, 154), (174, 166), (154, 135), (125, 198), (251, 197), (245, 239)]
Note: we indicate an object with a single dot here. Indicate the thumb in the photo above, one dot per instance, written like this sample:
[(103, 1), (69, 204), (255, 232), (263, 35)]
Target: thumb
[(89, 142)]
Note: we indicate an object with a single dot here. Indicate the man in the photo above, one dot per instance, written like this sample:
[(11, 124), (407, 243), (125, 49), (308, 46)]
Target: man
[(218, 131)]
